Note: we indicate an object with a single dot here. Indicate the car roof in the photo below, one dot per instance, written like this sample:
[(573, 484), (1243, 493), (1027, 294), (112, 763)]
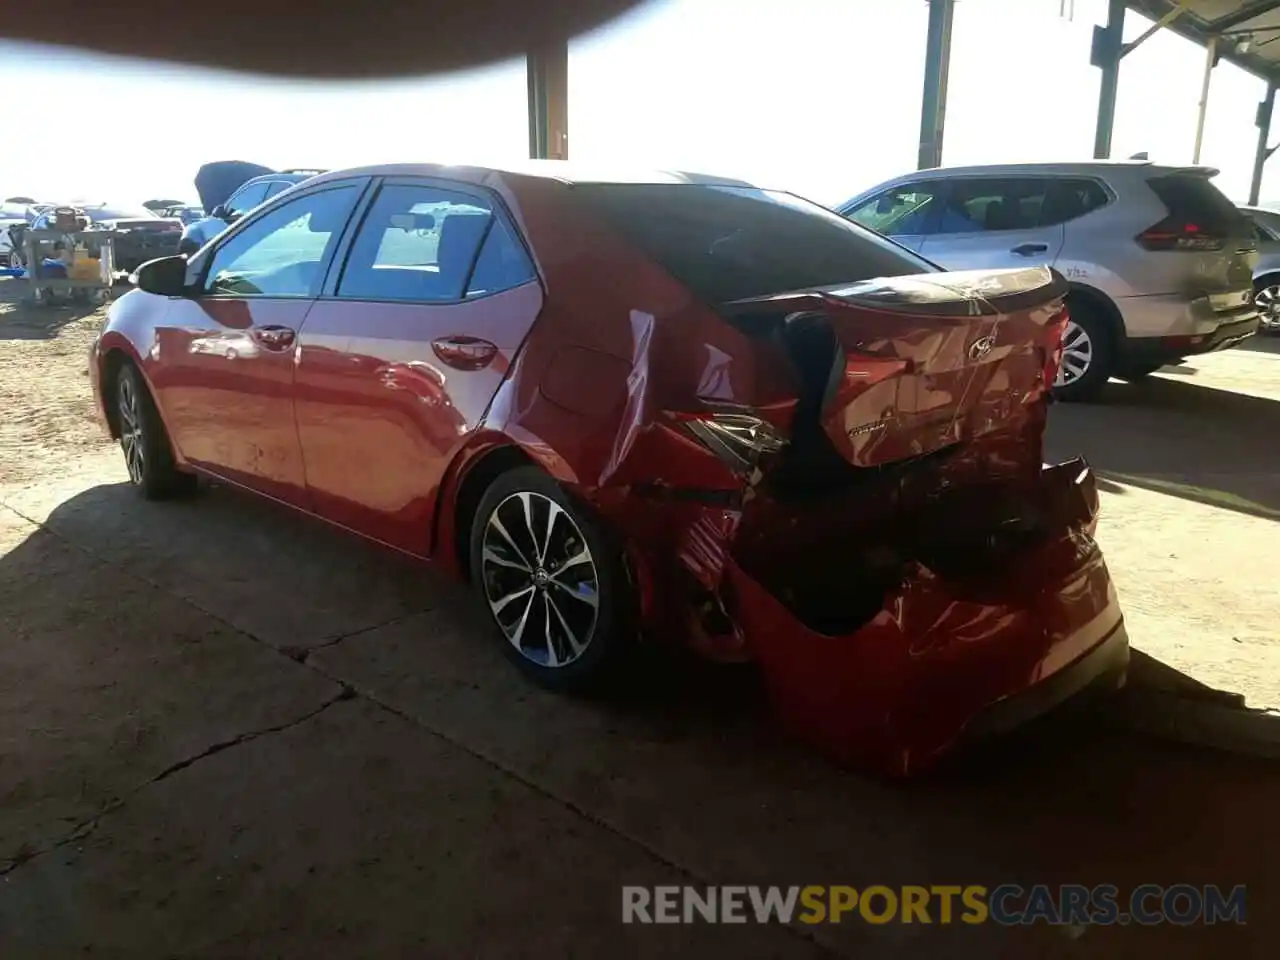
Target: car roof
[(563, 171), (1067, 167), (1106, 169)]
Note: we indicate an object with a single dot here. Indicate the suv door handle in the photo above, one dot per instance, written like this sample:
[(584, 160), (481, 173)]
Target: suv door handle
[(1030, 249), (464, 353), (274, 337)]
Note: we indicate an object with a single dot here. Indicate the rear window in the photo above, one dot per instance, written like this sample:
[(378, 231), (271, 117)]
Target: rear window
[(728, 243), (1195, 200)]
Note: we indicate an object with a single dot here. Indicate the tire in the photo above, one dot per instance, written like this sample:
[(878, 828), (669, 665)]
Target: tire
[(506, 560), (148, 453), (1088, 357), (1266, 295)]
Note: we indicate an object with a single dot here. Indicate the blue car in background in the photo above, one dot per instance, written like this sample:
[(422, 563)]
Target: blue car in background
[(228, 190)]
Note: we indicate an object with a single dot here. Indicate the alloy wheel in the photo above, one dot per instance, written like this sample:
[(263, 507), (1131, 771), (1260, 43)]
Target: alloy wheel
[(1268, 302), (1077, 354), (540, 579), (131, 440)]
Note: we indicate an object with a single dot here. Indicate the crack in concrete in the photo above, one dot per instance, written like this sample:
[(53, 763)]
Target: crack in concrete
[(350, 691), (300, 654), (88, 825)]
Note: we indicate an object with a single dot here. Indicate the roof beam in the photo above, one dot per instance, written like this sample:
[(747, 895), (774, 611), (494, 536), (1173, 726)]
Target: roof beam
[(1246, 13)]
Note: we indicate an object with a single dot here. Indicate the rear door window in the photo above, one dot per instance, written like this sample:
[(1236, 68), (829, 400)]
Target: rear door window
[(1069, 199), (417, 243), (733, 242), (994, 204)]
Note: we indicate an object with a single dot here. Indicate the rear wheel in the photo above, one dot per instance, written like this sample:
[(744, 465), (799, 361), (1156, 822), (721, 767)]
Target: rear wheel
[(552, 582), (1087, 354), (148, 454)]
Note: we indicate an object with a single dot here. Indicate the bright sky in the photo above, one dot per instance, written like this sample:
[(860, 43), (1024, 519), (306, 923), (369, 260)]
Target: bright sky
[(821, 97)]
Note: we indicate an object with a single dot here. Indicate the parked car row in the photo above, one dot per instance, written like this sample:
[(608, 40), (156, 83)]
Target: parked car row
[(140, 234), (629, 411), (1161, 264)]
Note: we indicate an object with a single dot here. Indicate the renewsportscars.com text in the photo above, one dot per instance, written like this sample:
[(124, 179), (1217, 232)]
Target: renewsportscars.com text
[(1007, 904)]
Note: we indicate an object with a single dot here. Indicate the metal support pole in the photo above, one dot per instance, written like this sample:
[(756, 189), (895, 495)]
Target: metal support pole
[(1210, 61), (1264, 134), (547, 69), (1107, 51), (937, 65)]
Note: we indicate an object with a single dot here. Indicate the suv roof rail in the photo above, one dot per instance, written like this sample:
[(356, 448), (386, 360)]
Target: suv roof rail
[(311, 170)]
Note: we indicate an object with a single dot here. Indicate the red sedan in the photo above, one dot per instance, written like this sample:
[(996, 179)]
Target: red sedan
[(630, 410)]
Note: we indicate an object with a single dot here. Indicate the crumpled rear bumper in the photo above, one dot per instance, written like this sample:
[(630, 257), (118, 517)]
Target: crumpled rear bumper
[(943, 661)]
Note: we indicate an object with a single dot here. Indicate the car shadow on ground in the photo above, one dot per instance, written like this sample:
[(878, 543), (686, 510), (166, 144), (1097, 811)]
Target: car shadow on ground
[(300, 587), (1263, 343), (689, 758), (22, 320), (1172, 435)]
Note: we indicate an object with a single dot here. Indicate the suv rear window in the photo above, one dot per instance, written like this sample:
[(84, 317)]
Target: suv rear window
[(728, 242), (1194, 199)]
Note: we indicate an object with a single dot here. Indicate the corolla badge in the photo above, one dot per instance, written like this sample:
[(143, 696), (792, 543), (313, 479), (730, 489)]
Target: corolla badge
[(981, 347)]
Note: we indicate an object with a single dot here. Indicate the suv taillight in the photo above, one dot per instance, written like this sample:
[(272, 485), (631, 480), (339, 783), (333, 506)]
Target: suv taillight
[(1173, 233)]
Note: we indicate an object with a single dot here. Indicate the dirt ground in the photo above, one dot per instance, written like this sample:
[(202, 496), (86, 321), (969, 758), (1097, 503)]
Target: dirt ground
[(228, 732)]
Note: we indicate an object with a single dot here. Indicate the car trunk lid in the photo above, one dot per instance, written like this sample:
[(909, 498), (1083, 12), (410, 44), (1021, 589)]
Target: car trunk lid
[(899, 368)]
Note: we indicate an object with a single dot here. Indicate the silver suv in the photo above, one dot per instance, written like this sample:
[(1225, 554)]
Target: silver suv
[(1159, 260)]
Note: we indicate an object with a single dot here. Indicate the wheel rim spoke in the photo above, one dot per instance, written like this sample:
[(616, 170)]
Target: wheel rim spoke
[(533, 556), (589, 597), (491, 556), (496, 524), (574, 642), (131, 431), (1077, 354)]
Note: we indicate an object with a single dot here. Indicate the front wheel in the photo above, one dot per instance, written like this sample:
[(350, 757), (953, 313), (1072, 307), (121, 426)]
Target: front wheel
[(1086, 355), (148, 455), (552, 582)]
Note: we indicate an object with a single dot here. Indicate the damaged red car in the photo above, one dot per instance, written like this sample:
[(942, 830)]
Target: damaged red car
[(632, 410)]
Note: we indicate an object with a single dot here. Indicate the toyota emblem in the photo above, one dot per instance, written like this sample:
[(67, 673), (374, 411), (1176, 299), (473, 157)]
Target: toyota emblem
[(981, 347)]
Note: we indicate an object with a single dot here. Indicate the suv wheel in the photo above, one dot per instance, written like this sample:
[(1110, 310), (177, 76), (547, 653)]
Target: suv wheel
[(1087, 354)]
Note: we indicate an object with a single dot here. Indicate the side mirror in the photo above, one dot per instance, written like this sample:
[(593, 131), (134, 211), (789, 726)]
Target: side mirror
[(220, 212), (165, 277)]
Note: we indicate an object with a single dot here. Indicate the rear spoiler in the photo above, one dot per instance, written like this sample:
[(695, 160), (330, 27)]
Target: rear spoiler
[(960, 294)]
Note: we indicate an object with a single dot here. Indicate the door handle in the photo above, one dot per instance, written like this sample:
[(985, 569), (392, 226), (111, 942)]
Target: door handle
[(464, 353), (274, 337), (1030, 249)]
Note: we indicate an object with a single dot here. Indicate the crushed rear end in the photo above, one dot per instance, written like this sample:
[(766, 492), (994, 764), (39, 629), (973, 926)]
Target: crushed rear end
[(843, 482), (884, 538)]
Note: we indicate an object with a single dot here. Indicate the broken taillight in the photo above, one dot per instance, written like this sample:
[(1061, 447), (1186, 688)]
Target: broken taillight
[(1174, 233), (739, 439)]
